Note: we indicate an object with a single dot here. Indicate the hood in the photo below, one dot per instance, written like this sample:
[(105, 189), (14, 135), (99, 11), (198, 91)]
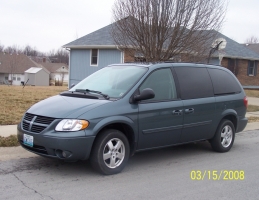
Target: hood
[(64, 107)]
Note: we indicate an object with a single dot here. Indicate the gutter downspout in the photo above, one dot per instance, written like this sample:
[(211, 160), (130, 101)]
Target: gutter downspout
[(122, 53), (69, 65)]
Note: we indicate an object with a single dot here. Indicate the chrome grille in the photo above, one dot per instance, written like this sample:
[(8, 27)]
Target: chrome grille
[(37, 129), (28, 116), (25, 126), (43, 120), (35, 123)]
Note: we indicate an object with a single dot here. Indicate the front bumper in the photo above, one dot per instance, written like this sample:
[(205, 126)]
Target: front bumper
[(68, 146)]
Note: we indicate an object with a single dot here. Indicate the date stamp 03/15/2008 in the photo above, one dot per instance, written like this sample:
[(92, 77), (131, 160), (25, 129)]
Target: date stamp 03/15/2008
[(216, 175)]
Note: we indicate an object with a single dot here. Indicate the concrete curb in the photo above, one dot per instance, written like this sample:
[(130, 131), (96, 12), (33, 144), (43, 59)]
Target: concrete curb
[(253, 101), (8, 130)]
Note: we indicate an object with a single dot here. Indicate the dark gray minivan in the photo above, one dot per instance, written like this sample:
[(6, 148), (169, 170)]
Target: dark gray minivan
[(125, 108)]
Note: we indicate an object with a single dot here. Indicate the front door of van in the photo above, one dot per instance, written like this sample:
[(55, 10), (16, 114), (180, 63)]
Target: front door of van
[(160, 119)]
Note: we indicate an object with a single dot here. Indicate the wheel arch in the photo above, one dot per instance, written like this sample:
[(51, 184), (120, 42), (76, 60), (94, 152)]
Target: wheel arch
[(231, 115), (123, 124)]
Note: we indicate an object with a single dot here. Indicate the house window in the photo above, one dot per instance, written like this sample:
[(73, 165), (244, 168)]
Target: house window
[(233, 65), (94, 57), (252, 68), (18, 78), (6, 78), (14, 78)]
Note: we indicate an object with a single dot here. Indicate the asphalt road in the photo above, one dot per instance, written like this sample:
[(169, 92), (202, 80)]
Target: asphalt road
[(159, 174)]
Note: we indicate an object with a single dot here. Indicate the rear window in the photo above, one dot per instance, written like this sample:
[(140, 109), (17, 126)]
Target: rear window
[(223, 82), (194, 82)]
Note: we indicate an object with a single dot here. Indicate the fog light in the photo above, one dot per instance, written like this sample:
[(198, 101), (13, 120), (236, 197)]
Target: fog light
[(64, 154)]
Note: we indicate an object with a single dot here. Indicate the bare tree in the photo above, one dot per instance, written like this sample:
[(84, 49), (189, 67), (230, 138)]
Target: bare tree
[(14, 49), (1, 47), (59, 56), (30, 51), (160, 30), (252, 40)]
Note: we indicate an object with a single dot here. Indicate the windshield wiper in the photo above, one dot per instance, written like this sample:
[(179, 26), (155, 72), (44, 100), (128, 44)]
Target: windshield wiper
[(106, 96)]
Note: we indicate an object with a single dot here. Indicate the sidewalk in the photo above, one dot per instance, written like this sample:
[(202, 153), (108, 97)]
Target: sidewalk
[(253, 101), (8, 130)]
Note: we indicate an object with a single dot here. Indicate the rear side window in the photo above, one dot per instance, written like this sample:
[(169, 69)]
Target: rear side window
[(194, 82), (223, 82)]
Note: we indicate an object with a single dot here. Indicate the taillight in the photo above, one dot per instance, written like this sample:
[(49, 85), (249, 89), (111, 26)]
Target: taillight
[(246, 102)]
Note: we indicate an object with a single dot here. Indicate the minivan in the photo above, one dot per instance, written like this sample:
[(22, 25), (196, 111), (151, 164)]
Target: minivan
[(126, 108)]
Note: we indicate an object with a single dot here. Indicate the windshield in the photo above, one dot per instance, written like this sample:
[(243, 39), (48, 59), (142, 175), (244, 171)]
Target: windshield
[(113, 81)]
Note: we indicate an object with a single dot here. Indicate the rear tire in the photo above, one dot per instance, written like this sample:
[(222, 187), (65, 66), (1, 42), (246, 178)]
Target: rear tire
[(110, 152), (224, 137)]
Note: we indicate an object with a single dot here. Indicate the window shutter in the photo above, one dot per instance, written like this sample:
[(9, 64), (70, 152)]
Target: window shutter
[(248, 68), (237, 68), (256, 63)]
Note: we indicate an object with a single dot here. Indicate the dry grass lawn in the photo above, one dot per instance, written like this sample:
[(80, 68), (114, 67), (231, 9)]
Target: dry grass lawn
[(252, 108), (15, 100), (252, 93), (10, 141), (253, 119)]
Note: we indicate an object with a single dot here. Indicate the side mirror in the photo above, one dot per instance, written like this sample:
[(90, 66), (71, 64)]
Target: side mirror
[(145, 94)]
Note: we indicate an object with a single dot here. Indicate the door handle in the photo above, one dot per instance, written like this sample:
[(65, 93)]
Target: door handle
[(189, 110), (177, 112)]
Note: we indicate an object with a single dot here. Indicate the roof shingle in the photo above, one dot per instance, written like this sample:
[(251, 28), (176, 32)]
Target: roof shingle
[(15, 63), (103, 37)]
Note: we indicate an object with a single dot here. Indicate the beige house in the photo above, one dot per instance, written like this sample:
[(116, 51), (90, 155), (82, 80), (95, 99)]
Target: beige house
[(13, 66), (58, 71)]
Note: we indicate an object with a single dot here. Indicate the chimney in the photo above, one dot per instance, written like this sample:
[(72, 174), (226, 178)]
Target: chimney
[(44, 60)]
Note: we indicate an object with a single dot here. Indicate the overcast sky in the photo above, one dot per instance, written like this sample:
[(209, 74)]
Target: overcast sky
[(49, 24)]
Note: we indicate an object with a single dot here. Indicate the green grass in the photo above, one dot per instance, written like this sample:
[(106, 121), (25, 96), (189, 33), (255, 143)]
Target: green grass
[(10, 141)]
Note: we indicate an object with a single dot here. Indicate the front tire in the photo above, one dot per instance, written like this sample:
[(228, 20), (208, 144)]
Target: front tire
[(224, 137), (110, 152)]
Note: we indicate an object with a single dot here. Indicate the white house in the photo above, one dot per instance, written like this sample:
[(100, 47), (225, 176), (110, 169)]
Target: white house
[(58, 71)]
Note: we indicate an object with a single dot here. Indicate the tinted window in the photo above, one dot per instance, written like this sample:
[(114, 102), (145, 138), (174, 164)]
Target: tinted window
[(194, 82), (223, 82), (162, 82)]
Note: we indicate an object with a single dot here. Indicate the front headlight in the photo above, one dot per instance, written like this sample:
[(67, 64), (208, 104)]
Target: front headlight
[(72, 125)]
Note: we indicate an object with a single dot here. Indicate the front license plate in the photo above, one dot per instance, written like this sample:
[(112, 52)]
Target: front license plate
[(28, 140)]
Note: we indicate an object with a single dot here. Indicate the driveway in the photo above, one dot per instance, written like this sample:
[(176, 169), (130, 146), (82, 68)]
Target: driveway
[(159, 174)]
